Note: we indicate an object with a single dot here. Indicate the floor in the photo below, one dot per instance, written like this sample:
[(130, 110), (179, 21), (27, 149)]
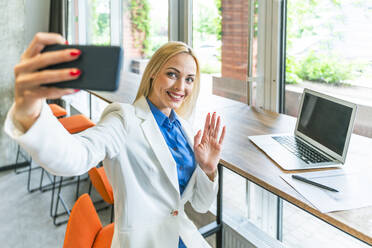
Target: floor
[(24, 216)]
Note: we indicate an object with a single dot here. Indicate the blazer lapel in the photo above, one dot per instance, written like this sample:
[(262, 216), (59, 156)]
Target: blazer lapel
[(190, 139), (156, 141)]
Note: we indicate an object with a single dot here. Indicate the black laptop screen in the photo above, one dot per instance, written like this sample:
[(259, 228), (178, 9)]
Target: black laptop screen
[(325, 121)]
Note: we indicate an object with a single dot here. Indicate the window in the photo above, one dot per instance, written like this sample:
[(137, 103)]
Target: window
[(329, 50), (140, 26), (221, 41), (144, 30), (99, 22)]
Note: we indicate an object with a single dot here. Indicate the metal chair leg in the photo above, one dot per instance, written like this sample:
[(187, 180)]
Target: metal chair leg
[(29, 178), (90, 187), (64, 205), (16, 162), (112, 213), (23, 164), (52, 200), (77, 188)]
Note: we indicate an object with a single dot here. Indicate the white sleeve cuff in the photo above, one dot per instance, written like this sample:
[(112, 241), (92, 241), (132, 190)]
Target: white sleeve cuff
[(205, 183), (16, 131)]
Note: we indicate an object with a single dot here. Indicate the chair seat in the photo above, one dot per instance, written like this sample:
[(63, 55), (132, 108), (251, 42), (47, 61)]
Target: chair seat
[(57, 110), (76, 123)]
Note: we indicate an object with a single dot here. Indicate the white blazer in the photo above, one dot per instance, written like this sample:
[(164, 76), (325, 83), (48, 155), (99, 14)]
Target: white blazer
[(139, 166)]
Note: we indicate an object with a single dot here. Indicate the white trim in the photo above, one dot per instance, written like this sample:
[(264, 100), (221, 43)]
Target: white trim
[(268, 54), (185, 21), (180, 21), (82, 22), (71, 21), (250, 78), (262, 208), (173, 20), (115, 22)]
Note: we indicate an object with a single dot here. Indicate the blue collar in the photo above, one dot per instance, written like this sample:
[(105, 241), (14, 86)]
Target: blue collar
[(160, 117)]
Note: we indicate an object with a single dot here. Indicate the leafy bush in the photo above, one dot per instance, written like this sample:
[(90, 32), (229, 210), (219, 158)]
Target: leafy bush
[(291, 69), (326, 69), (210, 68)]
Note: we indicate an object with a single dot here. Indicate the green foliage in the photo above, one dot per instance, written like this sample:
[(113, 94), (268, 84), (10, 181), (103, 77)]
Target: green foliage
[(311, 18), (210, 68), (100, 26), (140, 17), (313, 25), (292, 69), (207, 22), (218, 19), (326, 69)]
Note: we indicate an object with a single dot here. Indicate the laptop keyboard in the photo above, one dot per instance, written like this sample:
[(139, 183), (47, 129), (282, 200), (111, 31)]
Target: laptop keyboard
[(301, 149)]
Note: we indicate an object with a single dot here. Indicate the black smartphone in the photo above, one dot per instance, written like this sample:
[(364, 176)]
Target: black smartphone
[(99, 65)]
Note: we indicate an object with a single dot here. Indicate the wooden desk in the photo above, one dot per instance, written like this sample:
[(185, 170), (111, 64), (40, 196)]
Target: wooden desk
[(244, 158)]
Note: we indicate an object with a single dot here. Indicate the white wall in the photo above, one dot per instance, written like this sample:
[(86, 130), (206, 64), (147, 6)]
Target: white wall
[(20, 20), (36, 17)]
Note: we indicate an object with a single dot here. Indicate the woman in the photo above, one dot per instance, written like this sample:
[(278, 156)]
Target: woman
[(147, 149)]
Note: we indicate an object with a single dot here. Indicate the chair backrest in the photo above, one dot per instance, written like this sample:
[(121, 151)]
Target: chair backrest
[(104, 237), (83, 225), (101, 184)]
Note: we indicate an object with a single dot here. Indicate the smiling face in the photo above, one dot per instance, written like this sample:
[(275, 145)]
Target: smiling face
[(174, 83)]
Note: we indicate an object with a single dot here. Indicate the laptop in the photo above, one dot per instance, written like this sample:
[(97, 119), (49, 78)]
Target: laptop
[(321, 138)]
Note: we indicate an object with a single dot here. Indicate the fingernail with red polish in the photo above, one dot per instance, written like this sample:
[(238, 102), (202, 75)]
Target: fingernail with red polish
[(75, 53), (75, 73), (66, 42), (76, 90)]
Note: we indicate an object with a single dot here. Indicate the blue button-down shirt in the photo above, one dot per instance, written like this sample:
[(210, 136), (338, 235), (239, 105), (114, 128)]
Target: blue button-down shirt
[(177, 143)]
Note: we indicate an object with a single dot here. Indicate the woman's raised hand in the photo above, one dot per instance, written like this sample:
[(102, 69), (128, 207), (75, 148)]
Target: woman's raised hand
[(29, 89), (207, 148)]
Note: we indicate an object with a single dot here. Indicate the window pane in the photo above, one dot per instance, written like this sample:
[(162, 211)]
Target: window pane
[(99, 22), (220, 39), (145, 29), (329, 49)]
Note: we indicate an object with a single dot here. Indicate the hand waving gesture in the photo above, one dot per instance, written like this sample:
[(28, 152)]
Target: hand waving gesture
[(207, 148)]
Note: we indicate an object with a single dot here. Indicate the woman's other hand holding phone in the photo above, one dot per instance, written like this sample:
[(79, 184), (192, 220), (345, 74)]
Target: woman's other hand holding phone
[(29, 89)]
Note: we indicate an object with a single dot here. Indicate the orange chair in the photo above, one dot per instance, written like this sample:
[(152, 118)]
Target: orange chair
[(73, 124), (57, 110), (76, 123), (84, 228), (102, 185)]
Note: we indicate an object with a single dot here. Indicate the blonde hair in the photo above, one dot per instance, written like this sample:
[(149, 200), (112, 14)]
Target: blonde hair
[(157, 61)]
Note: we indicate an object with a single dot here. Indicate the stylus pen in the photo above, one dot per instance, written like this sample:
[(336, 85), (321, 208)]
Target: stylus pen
[(313, 183)]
